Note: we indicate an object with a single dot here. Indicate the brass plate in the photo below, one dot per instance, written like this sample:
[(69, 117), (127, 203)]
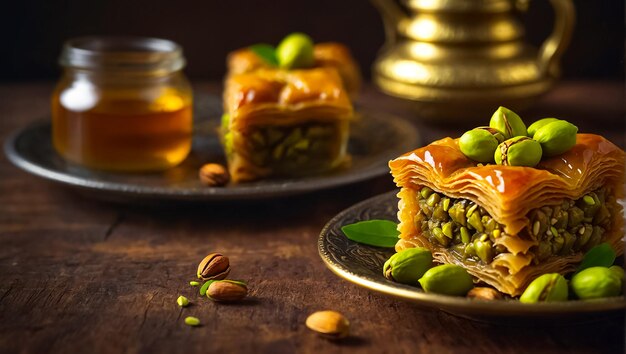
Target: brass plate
[(362, 265), (375, 138)]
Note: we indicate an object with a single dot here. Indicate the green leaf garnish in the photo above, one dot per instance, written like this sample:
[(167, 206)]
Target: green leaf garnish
[(601, 255), (266, 52), (380, 233)]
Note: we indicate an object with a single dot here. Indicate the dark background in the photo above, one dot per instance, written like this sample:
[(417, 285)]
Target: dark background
[(35, 30)]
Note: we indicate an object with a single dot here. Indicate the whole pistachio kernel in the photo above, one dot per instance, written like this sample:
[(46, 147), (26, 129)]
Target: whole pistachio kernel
[(532, 129), (556, 137), (596, 282), (508, 122), (619, 271), (480, 143), (408, 266), (548, 287), (192, 321), (447, 279), (518, 151), (295, 51), (182, 301)]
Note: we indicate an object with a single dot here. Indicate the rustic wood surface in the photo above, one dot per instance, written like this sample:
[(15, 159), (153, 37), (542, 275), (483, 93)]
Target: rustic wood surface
[(83, 276)]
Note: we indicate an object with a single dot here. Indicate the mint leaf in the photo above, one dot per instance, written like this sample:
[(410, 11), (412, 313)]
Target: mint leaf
[(380, 233), (265, 52), (601, 255)]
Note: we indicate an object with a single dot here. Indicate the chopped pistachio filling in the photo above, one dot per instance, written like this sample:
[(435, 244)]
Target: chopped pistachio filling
[(470, 232), (294, 149)]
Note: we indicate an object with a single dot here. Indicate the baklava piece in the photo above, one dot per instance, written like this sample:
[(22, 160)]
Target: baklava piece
[(509, 224)]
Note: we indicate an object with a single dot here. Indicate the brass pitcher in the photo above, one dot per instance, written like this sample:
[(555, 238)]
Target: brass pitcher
[(458, 60)]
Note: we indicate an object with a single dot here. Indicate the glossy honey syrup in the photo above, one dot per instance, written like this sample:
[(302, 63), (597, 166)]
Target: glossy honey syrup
[(120, 130)]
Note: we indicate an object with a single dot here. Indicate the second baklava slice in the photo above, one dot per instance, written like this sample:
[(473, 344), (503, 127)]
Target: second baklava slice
[(285, 122)]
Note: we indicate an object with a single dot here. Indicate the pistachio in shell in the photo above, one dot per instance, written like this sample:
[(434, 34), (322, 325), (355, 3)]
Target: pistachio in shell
[(547, 287), (595, 283), (479, 144), (408, 266), (508, 122), (556, 137), (330, 324), (213, 266), (447, 279), (518, 151)]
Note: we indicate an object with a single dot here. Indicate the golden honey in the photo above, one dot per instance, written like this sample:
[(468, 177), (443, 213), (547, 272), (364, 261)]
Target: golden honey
[(123, 113)]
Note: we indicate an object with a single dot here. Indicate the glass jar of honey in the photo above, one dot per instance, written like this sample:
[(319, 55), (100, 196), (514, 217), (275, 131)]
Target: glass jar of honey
[(122, 104)]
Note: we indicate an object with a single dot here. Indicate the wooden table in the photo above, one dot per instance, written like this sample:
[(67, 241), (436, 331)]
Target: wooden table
[(83, 276)]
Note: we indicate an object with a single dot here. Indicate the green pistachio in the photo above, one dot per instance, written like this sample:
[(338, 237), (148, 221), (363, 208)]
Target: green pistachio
[(508, 122), (225, 122), (447, 279), (295, 51), (556, 137), (601, 255), (548, 287), (182, 301), (596, 282), (617, 270), (532, 129), (408, 266), (518, 151), (484, 251), (192, 321), (480, 143)]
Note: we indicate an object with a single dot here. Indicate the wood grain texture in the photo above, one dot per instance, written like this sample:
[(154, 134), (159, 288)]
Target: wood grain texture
[(83, 276)]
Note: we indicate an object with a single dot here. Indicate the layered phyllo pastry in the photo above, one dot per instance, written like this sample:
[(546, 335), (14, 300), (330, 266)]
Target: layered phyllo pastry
[(287, 110), (508, 224), (325, 55), (285, 123)]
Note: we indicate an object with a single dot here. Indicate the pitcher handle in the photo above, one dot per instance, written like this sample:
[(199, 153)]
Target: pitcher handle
[(554, 46), (393, 17)]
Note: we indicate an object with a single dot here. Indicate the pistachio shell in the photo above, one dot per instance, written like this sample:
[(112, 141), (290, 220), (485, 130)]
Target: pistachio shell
[(447, 279), (548, 287), (556, 137), (213, 266), (227, 290), (508, 122), (532, 129), (518, 151), (408, 266), (596, 282), (331, 324), (483, 293)]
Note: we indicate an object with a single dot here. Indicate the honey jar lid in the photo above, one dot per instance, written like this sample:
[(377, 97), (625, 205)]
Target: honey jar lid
[(140, 55)]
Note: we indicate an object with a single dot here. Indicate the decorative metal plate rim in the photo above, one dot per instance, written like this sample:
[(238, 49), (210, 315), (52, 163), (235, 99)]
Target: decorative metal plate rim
[(273, 189), (341, 265)]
